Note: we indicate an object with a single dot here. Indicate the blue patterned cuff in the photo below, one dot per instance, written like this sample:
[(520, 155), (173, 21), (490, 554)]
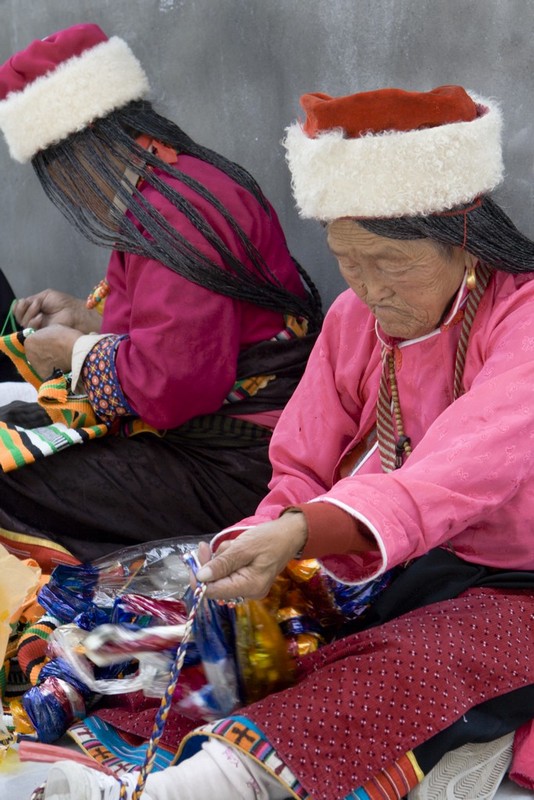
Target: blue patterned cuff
[(99, 377)]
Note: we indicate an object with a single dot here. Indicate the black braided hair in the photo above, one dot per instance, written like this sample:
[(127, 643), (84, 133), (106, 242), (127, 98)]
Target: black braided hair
[(92, 177), (482, 228)]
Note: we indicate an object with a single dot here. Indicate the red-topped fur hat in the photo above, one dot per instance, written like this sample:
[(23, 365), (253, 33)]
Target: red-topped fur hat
[(392, 153), (59, 85)]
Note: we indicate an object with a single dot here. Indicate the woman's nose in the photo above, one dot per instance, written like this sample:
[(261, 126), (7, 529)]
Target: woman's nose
[(374, 289)]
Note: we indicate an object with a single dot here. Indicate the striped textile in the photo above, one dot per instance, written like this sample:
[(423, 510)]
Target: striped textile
[(20, 446), (112, 750), (387, 438), (390, 783), (47, 553), (475, 296), (72, 416), (33, 646), (12, 346)]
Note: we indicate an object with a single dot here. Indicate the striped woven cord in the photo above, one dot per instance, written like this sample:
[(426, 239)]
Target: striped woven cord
[(384, 416), (483, 276), (388, 437), (166, 700)]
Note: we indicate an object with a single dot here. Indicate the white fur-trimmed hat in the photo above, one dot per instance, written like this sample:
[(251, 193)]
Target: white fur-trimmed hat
[(392, 153), (59, 85)]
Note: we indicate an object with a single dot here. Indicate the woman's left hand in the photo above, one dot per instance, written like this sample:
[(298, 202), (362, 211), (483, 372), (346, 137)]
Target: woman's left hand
[(51, 348), (248, 565)]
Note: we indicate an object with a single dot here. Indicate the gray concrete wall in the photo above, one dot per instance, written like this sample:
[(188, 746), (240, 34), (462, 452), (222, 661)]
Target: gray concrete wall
[(230, 72)]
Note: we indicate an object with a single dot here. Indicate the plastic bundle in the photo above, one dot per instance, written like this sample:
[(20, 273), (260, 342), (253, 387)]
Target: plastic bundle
[(89, 595), (154, 570), (57, 702), (238, 655)]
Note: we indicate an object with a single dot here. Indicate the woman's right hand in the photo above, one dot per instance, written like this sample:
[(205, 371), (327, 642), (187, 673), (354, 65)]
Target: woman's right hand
[(51, 307), (248, 565)]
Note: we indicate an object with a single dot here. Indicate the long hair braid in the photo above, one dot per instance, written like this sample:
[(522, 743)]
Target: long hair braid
[(94, 175)]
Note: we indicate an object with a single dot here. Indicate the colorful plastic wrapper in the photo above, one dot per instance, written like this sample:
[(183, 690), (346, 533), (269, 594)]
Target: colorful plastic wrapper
[(155, 570), (194, 697), (146, 610), (332, 601), (214, 639), (114, 644), (238, 654), (265, 664), (59, 699), (148, 672)]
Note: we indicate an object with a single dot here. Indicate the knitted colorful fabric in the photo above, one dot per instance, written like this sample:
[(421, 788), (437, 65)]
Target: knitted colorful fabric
[(33, 645), (72, 416), (12, 346)]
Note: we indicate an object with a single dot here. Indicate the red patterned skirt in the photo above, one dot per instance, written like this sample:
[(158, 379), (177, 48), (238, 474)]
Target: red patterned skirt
[(362, 703)]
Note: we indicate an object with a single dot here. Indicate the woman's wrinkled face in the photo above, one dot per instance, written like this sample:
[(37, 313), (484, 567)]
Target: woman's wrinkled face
[(407, 284)]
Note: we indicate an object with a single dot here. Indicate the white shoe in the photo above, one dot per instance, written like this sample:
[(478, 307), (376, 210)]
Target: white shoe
[(68, 780), (472, 772)]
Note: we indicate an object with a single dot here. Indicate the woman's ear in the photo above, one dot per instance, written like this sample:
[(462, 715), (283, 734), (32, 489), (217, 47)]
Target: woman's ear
[(470, 261)]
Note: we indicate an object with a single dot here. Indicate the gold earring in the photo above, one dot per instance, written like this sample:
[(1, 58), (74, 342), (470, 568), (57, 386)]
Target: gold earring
[(471, 280)]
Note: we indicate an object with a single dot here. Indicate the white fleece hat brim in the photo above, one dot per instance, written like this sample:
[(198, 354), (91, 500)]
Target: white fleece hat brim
[(64, 101), (394, 174)]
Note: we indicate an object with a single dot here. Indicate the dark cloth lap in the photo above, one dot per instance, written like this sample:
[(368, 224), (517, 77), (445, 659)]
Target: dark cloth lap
[(114, 492)]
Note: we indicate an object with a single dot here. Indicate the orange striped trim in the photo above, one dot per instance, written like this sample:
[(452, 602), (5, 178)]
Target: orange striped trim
[(394, 782), (47, 553)]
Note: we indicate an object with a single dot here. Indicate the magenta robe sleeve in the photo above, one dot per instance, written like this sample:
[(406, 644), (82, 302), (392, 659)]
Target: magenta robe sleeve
[(178, 359)]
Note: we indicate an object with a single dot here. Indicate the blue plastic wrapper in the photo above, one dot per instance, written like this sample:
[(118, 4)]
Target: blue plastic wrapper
[(213, 633)]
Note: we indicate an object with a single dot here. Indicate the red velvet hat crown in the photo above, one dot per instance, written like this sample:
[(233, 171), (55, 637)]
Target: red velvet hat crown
[(58, 85), (391, 153)]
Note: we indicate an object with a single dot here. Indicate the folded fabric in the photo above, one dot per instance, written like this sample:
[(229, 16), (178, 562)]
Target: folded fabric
[(522, 767)]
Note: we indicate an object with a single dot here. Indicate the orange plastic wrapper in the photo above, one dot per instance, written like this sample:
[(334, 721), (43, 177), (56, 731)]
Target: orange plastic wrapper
[(307, 575), (21, 721), (263, 660), (303, 644)]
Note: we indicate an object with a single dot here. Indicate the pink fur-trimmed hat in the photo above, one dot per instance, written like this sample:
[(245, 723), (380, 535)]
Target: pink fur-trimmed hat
[(392, 153), (59, 85)]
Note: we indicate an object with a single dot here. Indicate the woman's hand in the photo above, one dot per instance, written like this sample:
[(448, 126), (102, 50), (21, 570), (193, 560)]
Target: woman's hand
[(248, 566), (50, 307), (51, 348)]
